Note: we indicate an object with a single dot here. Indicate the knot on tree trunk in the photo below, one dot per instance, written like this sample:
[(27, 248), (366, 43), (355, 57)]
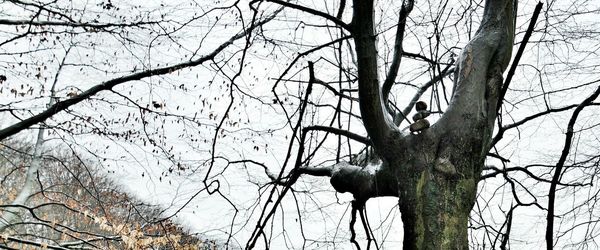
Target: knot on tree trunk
[(444, 165), (354, 179)]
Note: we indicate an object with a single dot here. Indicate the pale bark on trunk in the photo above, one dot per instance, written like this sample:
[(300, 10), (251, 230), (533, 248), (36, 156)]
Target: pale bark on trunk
[(434, 173), (11, 215)]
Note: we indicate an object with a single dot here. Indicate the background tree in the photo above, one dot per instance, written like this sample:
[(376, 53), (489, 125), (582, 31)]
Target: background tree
[(264, 94), (76, 206)]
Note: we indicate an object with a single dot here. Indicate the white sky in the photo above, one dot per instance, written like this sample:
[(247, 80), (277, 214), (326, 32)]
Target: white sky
[(325, 214)]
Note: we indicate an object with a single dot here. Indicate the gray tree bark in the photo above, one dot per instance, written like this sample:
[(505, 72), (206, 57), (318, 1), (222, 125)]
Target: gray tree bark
[(434, 173)]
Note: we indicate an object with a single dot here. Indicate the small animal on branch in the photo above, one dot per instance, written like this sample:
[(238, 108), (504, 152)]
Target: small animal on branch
[(420, 123)]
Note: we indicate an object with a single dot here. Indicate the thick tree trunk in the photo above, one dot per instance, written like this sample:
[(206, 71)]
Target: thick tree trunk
[(434, 173), (437, 194), (438, 217)]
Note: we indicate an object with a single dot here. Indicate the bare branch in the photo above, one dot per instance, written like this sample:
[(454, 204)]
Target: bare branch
[(374, 117), (407, 6), (559, 165), (62, 105), (398, 118), (71, 24), (338, 131), (503, 129), (310, 11), (513, 67)]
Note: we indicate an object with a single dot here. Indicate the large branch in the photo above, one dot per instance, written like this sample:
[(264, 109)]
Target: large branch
[(363, 182), (375, 119), (62, 105), (479, 74)]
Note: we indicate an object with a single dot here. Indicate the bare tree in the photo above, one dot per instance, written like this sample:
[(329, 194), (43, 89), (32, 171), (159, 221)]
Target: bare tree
[(180, 92), (77, 206)]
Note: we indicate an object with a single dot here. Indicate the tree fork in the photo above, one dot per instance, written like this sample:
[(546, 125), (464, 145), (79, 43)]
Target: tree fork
[(435, 173)]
